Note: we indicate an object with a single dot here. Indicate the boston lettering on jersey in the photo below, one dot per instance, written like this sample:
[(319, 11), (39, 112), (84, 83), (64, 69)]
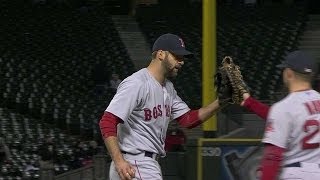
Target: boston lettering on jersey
[(155, 112), (313, 106)]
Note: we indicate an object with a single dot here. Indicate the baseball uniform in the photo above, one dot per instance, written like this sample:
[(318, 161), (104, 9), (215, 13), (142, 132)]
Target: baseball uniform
[(294, 124), (146, 108)]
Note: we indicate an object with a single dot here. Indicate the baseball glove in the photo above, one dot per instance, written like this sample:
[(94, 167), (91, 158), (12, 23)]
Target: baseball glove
[(229, 83)]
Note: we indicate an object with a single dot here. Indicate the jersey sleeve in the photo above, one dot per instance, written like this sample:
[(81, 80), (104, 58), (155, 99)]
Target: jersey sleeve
[(128, 97), (278, 126), (179, 107)]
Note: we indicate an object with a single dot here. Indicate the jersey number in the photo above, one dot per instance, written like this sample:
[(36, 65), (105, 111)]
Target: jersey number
[(306, 128)]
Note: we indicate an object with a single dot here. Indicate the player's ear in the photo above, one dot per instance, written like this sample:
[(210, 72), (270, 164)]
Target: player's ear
[(161, 55), (289, 73)]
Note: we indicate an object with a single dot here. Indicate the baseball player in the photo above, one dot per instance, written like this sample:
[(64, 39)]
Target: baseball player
[(134, 124), (292, 133)]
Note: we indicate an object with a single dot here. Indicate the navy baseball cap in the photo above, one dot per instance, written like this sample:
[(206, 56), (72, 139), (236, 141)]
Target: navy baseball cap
[(300, 62), (172, 43)]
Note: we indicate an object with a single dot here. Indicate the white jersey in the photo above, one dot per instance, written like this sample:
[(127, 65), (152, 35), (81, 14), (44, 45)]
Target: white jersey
[(146, 107), (294, 124)]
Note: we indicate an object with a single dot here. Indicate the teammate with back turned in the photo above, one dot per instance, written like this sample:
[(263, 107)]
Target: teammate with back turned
[(292, 133)]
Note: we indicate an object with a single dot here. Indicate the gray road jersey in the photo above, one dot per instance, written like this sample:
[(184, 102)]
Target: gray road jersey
[(293, 124), (146, 107)]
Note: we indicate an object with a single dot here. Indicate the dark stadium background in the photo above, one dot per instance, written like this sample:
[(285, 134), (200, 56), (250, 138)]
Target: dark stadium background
[(57, 58)]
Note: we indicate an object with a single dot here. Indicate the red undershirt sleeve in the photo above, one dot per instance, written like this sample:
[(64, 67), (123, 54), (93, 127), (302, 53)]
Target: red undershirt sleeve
[(189, 119), (271, 161), (257, 107), (108, 124)]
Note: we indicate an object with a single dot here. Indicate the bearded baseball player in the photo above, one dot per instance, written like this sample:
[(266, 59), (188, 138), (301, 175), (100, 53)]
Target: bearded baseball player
[(134, 124), (292, 133)]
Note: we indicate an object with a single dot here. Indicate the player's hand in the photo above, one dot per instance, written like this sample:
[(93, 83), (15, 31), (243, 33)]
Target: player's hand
[(244, 96), (125, 170)]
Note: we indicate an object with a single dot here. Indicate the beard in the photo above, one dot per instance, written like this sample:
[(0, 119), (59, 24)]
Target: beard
[(169, 69)]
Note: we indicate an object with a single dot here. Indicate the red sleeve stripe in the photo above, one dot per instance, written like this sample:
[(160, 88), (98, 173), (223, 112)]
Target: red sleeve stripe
[(271, 161), (257, 107), (106, 127), (189, 119), (108, 124)]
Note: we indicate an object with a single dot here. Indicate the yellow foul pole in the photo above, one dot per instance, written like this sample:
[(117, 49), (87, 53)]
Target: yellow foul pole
[(209, 51)]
